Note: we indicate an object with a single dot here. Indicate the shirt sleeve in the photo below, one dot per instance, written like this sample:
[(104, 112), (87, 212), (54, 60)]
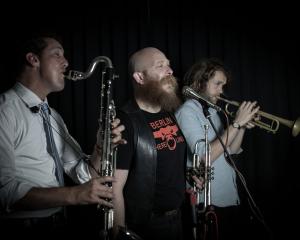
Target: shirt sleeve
[(74, 159), (75, 162), (11, 189), (191, 121)]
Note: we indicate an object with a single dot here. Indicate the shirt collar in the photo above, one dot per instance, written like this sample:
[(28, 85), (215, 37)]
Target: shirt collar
[(210, 109), (27, 96)]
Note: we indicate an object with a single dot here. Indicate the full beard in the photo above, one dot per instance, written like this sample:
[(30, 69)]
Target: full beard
[(153, 93)]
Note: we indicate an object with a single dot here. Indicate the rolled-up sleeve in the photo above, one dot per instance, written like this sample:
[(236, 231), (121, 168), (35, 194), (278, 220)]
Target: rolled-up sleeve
[(75, 161)]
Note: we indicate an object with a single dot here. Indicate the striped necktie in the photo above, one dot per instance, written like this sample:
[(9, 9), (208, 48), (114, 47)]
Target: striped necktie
[(51, 147)]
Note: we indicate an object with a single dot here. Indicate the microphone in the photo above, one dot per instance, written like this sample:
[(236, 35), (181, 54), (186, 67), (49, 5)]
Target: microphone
[(189, 92)]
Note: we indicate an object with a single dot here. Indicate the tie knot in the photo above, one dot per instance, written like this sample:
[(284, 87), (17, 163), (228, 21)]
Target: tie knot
[(45, 108)]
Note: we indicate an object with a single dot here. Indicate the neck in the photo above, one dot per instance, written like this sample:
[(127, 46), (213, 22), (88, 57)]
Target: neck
[(148, 107), (34, 85)]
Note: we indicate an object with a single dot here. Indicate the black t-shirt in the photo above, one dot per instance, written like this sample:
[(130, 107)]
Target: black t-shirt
[(171, 152)]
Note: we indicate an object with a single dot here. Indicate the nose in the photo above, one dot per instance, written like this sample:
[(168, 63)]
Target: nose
[(66, 63), (169, 70), (220, 89)]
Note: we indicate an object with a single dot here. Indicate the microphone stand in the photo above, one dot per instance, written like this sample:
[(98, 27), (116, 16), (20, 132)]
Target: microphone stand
[(229, 159)]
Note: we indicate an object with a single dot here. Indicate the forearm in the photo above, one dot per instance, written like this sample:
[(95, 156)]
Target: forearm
[(94, 166), (118, 201), (217, 148), (91, 192), (43, 198), (119, 212), (237, 141)]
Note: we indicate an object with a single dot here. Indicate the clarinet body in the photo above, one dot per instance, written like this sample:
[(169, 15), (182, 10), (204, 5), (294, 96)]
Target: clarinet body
[(107, 116)]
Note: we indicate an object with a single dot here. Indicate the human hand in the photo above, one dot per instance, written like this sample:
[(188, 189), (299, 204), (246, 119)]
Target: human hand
[(246, 112), (117, 130), (199, 182), (116, 135), (248, 125), (94, 192), (194, 177)]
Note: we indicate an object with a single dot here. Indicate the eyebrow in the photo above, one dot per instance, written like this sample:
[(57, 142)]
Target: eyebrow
[(218, 81), (163, 61), (57, 48)]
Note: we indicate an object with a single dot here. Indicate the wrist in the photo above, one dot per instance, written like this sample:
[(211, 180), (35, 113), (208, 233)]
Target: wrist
[(71, 197), (98, 149), (236, 125)]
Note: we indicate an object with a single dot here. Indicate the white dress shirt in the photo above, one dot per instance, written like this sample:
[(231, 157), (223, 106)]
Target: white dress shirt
[(24, 160)]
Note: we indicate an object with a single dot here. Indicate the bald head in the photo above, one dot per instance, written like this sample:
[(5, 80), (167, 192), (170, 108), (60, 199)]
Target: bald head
[(143, 59)]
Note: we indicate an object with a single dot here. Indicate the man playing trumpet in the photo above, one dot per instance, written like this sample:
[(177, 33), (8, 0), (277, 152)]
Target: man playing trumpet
[(208, 78)]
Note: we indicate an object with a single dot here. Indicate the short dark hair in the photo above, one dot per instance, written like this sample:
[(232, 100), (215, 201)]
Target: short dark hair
[(35, 43), (199, 73)]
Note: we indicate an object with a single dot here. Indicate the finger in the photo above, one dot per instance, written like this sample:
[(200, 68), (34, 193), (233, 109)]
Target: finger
[(116, 139), (197, 180), (248, 104), (102, 202), (105, 179), (199, 183), (255, 110), (118, 130), (250, 125), (107, 194), (253, 104), (115, 123), (242, 105), (121, 141), (256, 117)]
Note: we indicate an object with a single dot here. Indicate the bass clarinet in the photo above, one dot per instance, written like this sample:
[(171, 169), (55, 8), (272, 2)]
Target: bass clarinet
[(107, 116)]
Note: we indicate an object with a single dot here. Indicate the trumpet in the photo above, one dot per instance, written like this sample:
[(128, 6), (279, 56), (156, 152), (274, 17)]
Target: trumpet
[(273, 126), (204, 218)]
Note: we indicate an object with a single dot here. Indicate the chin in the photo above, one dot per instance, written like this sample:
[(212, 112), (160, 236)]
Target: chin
[(213, 100), (59, 87), (169, 88)]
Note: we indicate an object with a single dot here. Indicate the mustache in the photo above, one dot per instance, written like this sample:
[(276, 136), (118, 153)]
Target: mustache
[(170, 79)]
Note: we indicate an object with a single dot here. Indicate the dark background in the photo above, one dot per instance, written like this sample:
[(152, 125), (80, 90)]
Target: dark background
[(260, 47)]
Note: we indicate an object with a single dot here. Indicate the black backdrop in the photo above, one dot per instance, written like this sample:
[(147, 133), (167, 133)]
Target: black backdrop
[(260, 47)]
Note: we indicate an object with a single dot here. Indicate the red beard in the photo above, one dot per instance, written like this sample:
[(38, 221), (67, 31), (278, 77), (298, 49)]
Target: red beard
[(154, 93)]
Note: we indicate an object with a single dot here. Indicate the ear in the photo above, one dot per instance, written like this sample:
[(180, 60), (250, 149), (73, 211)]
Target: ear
[(138, 77), (32, 59)]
